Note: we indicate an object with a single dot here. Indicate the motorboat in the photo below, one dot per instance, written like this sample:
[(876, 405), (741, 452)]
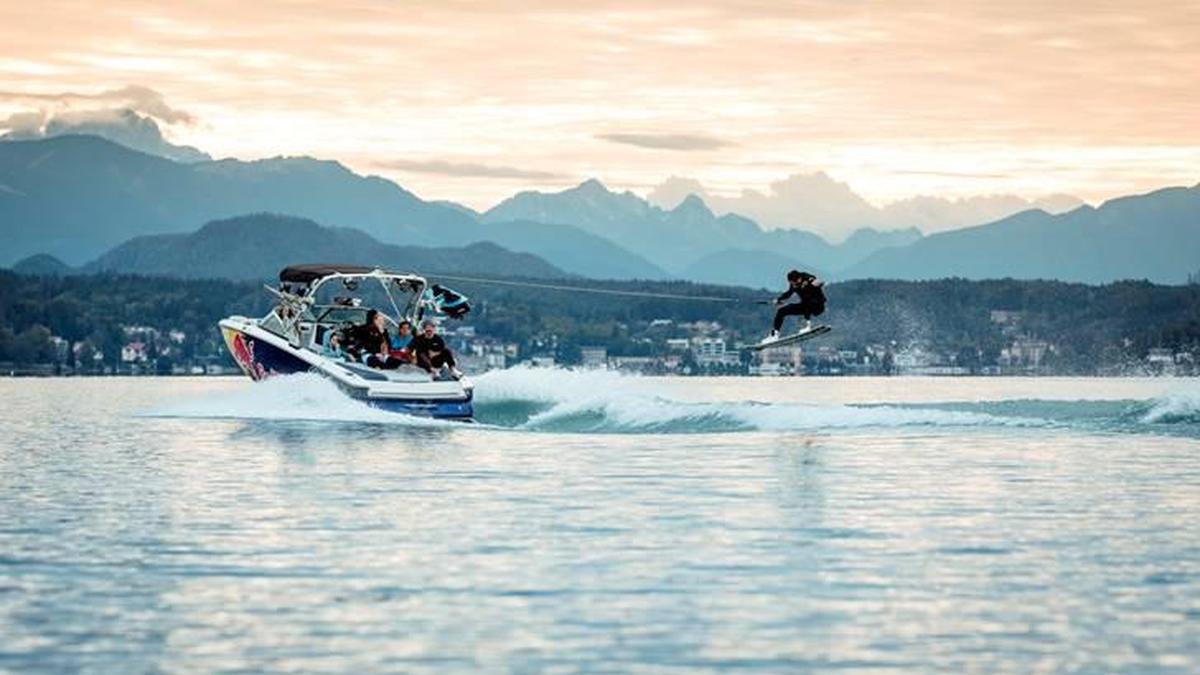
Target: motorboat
[(313, 301)]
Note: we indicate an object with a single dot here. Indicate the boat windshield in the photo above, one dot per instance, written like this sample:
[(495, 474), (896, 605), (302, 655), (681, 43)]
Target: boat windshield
[(342, 302), (349, 298), (337, 302)]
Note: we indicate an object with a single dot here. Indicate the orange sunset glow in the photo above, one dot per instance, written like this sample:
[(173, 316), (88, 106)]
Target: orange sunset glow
[(473, 101)]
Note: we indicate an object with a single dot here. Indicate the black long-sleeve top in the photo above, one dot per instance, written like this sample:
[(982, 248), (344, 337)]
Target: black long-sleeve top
[(368, 339), (810, 292), (427, 345)]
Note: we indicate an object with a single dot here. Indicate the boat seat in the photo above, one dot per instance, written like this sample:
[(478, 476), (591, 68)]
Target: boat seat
[(365, 372), (407, 374), (401, 374)]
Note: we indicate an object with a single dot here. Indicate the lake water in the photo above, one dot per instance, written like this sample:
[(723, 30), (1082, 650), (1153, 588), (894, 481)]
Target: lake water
[(604, 523)]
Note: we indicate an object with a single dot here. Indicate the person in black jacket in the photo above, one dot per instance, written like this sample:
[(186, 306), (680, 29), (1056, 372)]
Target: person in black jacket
[(369, 343), (430, 351), (807, 290)]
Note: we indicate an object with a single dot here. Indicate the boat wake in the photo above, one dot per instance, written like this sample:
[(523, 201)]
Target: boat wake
[(565, 401), (606, 402), (1181, 406), (1175, 413)]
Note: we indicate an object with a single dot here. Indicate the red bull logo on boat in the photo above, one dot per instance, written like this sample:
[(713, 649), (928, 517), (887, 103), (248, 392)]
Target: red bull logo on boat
[(242, 349)]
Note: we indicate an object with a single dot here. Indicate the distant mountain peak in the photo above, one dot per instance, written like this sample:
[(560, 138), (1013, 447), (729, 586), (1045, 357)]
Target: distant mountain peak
[(593, 186), (693, 205), (876, 239), (259, 221), (42, 264), (302, 162)]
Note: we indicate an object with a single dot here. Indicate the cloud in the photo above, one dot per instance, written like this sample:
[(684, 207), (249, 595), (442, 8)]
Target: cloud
[(151, 102), (470, 169), (809, 201), (120, 125), (133, 97), (132, 116), (684, 142), (25, 123), (671, 192)]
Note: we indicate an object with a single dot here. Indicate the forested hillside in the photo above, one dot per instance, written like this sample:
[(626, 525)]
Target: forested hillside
[(1085, 329)]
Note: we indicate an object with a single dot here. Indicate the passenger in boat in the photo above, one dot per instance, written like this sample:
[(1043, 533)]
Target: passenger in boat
[(370, 343), (331, 345), (807, 289), (431, 352), (401, 344)]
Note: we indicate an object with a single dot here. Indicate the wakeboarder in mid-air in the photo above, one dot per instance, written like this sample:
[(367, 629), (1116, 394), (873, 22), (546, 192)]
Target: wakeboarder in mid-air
[(809, 301)]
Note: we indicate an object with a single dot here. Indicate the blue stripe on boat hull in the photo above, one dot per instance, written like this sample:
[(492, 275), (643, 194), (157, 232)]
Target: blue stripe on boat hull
[(439, 409)]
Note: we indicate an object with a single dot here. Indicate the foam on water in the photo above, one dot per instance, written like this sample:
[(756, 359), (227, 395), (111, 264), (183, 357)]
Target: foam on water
[(600, 401), (301, 397), (1179, 406), (1175, 413)]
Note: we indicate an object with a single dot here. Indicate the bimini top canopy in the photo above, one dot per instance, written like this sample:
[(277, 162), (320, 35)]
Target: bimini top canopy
[(306, 274)]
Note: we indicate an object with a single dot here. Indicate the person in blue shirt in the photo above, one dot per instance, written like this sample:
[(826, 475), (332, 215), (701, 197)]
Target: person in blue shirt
[(403, 337), (401, 344)]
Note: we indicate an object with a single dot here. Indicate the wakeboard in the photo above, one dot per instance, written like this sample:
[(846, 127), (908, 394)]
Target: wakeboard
[(792, 338)]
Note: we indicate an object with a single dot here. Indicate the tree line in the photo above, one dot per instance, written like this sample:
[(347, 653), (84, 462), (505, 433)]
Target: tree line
[(1091, 327)]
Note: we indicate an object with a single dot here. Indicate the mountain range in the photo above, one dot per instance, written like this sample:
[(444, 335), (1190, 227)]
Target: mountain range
[(76, 197), (689, 239), (257, 246), (1154, 236)]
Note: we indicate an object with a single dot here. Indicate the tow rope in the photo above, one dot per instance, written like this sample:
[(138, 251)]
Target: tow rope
[(598, 291)]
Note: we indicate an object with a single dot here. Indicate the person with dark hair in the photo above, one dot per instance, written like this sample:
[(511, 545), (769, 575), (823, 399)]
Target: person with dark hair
[(370, 344), (401, 344), (431, 353), (811, 301), (331, 345)]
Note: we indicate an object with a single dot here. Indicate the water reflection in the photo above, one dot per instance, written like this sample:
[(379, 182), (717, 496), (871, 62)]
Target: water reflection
[(293, 434)]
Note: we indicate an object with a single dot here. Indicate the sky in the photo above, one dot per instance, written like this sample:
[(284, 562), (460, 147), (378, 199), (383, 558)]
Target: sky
[(467, 101)]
